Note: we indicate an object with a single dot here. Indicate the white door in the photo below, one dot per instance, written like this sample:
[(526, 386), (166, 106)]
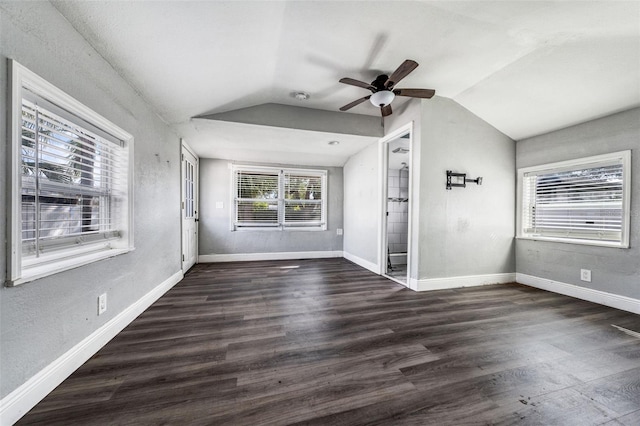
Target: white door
[(189, 208)]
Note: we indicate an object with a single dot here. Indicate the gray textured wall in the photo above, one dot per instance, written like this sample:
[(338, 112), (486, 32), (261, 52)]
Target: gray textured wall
[(217, 238), (41, 320), (294, 117), (465, 231), (361, 209), (613, 270)]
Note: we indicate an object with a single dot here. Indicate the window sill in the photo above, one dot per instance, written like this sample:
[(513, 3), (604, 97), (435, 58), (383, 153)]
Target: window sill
[(609, 244), (36, 272), (278, 229)]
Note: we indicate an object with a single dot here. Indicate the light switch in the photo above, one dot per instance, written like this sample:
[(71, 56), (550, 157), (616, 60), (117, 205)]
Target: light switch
[(219, 205)]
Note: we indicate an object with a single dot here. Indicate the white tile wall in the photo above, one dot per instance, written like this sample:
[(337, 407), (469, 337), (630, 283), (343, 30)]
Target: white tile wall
[(397, 220)]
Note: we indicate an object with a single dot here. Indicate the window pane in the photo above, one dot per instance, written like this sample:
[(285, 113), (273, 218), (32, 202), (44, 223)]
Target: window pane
[(300, 187), (257, 212), (255, 185), (189, 190), (68, 180), (299, 211), (581, 202)]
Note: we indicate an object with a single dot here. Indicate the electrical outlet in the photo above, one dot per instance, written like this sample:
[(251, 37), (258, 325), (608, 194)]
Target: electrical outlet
[(339, 231), (585, 275), (102, 303)]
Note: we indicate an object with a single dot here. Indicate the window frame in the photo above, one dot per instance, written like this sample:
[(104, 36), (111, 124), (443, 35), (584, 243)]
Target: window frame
[(281, 224), (622, 157), (69, 257)]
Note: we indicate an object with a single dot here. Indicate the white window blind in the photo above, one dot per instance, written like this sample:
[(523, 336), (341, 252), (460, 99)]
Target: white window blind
[(71, 179), (257, 198), (303, 199), (279, 198), (580, 200)]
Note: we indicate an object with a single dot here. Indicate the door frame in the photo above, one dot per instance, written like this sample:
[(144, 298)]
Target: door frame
[(383, 195), (184, 146)]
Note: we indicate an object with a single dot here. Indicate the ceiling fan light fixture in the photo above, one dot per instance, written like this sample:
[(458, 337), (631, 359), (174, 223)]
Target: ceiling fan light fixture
[(382, 98)]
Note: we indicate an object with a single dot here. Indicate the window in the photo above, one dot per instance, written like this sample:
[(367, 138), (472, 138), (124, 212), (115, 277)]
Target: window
[(584, 201), (272, 198), (189, 189), (70, 181)]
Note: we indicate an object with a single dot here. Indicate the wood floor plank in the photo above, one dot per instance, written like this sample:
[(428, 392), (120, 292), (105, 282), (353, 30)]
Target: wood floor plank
[(619, 392), (325, 342), (631, 419)]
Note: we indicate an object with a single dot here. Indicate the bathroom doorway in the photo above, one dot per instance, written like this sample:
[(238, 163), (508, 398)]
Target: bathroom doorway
[(396, 161)]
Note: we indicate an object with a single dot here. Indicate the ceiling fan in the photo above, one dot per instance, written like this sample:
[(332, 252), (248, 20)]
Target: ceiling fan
[(383, 89)]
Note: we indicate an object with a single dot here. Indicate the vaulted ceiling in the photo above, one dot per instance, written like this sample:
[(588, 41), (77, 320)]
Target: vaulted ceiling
[(525, 67)]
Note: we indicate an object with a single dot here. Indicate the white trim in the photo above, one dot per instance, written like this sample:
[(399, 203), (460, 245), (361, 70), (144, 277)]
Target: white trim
[(14, 108), (32, 81), (584, 161), (283, 255), (383, 161), (573, 241), (397, 280), (361, 262), (596, 296), (413, 284), (383, 191), (25, 397), (44, 270), (184, 144), (462, 281)]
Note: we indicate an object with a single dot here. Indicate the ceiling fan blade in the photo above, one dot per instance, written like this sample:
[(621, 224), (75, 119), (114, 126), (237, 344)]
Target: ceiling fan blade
[(415, 93), (403, 70), (354, 103), (386, 110), (358, 83)]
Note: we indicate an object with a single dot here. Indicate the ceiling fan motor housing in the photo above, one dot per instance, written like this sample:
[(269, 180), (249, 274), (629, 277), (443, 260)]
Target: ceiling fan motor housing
[(379, 82)]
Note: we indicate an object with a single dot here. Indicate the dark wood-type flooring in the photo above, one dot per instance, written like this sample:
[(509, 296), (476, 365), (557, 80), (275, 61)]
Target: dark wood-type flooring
[(326, 342)]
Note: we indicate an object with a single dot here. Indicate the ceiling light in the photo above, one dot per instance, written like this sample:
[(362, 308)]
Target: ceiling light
[(334, 143), (382, 98), (301, 96)]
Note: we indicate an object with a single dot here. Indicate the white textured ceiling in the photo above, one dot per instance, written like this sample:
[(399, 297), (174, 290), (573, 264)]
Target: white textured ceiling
[(525, 67)]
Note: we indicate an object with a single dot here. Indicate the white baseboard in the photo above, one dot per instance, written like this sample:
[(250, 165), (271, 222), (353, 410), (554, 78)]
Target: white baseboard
[(24, 398), (373, 267), (413, 284), (462, 281), (597, 296), (283, 255)]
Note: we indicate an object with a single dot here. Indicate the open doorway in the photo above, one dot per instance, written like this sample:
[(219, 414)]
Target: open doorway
[(396, 160)]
